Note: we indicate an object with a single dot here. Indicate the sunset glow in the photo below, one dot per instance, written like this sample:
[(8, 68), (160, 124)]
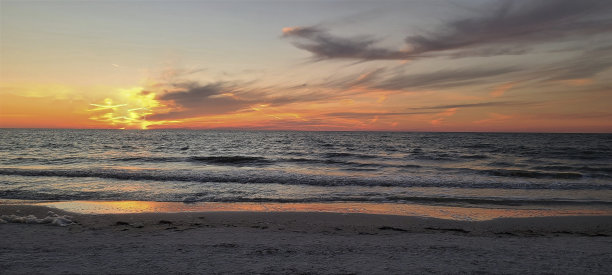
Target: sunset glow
[(397, 66), (129, 115)]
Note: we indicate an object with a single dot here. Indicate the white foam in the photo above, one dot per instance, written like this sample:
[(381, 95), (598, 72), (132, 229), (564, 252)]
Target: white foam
[(52, 218)]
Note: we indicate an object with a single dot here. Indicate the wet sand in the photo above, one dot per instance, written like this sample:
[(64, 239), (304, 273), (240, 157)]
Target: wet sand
[(297, 242)]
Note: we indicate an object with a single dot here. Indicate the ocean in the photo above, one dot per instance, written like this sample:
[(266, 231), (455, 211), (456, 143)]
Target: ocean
[(458, 169)]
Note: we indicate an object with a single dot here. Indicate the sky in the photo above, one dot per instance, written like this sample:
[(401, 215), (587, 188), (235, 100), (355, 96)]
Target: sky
[(422, 65)]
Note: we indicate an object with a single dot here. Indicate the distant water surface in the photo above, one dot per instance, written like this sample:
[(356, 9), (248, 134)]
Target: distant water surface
[(467, 169)]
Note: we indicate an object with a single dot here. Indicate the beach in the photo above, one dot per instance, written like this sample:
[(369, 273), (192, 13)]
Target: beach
[(297, 242)]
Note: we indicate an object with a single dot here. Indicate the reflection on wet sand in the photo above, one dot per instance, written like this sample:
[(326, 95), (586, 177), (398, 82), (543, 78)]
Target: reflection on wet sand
[(431, 211)]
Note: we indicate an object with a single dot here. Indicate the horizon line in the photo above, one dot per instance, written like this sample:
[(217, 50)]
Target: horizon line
[(294, 130)]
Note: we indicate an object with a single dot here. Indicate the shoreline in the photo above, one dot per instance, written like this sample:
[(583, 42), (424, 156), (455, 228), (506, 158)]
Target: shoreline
[(441, 211), (365, 223), (299, 242)]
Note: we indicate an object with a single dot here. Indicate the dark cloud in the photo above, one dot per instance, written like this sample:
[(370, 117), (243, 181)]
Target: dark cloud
[(194, 95), (192, 100), (511, 25), (326, 46), (189, 99), (443, 79), (473, 105), (518, 22)]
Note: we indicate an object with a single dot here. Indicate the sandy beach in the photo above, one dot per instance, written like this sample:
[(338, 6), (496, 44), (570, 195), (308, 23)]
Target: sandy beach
[(297, 242)]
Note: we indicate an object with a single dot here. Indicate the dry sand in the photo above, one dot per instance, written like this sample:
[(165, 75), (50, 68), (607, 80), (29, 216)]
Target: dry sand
[(286, 242)]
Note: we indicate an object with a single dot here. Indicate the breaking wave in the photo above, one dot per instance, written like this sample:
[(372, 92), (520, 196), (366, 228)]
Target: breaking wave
[(297, 179)]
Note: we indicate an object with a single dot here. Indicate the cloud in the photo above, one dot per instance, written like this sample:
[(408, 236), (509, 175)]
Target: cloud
[(326, 46), (358, 115), (444, 78), (488, 51), (586, 65), (518, 22), (192, 100), (441, 117), (507, 27), (473, 105), (368, 77), (501, 89)]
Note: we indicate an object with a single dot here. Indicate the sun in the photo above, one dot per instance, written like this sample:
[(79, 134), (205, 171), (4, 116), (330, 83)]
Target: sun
[(128, 109)]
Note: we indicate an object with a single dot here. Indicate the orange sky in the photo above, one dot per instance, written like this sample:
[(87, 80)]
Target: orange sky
[(411, 66)]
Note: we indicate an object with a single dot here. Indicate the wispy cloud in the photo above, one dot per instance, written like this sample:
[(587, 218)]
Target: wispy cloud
[(507, 27), (519, 23), (586, 65), (442, 116), (361, 115), (501, 89), (444, 78), (327, 46), (368, 77), (474, 105)]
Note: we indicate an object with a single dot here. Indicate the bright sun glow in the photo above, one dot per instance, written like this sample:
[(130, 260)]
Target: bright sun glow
[(129, 110)]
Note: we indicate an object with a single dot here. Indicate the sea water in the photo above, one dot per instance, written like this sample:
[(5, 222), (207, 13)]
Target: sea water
[(465, 169)]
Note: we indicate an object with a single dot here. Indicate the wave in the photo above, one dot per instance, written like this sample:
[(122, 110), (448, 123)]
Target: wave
[(231, 160), (473, 157), (224, 197), (355, 161), (326, 161), (479, 146), (506, 164), (545, 152), (40, 160), (267, 177), (437, 157), (352, 164), (347, 155), (253, 160), (531, 174), (216, 160), (149, 159), (574, 168), (445, 156)]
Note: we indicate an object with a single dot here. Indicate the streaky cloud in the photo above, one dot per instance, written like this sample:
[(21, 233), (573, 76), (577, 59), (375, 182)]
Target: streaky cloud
[(373, 114), (518, 22), (507, 28), (327, 46), (444, 78), (475, 105), (586, 65)]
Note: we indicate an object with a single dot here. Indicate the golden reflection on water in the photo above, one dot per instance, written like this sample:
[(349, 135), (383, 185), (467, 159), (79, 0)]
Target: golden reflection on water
[(431, 211)]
